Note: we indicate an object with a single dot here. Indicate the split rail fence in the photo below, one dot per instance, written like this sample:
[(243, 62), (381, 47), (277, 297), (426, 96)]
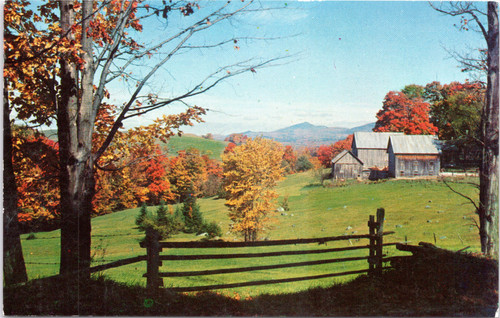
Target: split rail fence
[(154, 260)]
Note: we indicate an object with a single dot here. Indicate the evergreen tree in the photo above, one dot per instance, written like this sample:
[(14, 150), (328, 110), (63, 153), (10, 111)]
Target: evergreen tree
[(193, 220), (142, 215)]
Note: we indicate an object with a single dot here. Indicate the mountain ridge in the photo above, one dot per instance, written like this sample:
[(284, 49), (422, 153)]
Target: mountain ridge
[(307, 134)]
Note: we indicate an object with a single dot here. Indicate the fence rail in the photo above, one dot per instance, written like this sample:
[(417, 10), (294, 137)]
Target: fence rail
[(154, 259)]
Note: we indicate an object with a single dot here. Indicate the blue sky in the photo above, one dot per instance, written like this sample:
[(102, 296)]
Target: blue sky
[(348, 56)]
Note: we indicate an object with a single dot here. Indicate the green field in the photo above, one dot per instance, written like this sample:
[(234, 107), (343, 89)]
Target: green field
[(419, 210), (212, 148)]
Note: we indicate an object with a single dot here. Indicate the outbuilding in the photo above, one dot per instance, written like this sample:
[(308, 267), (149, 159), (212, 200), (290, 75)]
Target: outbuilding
[(371, 149), (346, 165), (413, 156)]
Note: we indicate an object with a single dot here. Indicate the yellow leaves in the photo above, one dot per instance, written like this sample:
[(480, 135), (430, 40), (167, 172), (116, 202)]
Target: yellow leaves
[(251, 171)]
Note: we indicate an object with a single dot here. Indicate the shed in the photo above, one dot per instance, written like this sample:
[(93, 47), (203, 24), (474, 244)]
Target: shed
[(346, 165), (371, 149), (413, 156)]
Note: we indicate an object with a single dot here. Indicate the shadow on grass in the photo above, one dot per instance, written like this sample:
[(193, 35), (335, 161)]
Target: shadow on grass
[(466, 286)]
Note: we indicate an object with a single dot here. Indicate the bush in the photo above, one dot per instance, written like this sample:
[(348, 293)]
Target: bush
[(31, 236), (284, 203), (212, 229), (303, 164), (164, 224)]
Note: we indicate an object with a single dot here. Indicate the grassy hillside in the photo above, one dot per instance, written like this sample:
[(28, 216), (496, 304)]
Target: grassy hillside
[(419, 210), (212, 148)]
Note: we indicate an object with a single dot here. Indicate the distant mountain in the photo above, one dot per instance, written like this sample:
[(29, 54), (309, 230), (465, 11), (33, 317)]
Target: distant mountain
[(307, 134)]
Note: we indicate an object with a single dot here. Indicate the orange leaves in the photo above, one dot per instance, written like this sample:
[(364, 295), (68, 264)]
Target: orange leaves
[(35, 164), (402, 114)]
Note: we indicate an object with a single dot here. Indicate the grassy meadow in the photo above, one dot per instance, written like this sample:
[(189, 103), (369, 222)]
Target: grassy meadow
[(418, 210), (212, 148)]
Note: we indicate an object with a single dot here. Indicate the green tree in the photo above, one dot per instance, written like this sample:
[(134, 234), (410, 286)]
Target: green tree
[(143, 212), (303, 164)]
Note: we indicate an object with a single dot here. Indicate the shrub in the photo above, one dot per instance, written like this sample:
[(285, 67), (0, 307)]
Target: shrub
[(303, 164), (164, 224), (31, 236), (212, 229), (284, 203)]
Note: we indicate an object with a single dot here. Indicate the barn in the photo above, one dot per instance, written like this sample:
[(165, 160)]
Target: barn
[(413, 156), (371, 149), (346, 165)]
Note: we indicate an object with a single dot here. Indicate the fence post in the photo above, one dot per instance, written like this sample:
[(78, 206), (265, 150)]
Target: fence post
[(153, 260), (371, 263), (380, 240)]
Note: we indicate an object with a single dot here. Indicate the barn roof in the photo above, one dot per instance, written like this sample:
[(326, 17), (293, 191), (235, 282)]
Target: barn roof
[(373, 140), (342, 154), (414, 144)]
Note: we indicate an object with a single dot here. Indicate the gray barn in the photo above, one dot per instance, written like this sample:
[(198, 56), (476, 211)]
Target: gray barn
[(371, 149), (413, 156), (346, 165)]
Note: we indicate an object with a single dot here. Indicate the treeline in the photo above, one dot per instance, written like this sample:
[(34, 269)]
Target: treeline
[(137, 170)]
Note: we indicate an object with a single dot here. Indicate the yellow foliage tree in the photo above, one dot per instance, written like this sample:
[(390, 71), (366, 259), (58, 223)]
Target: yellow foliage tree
[(251, 171)]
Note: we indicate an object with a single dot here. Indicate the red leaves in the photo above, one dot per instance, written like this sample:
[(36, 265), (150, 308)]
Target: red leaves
[(401, 114)]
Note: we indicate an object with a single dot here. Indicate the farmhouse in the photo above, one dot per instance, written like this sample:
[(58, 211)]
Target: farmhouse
[(346, 165), (371, 149), (413, 156)]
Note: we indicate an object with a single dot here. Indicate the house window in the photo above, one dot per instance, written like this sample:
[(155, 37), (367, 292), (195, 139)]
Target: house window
[(402, 169), (415, 168), (431, 168)]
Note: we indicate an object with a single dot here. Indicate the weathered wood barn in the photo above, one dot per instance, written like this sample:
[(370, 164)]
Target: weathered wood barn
[(346, 165), (413, 156), (371, 149)]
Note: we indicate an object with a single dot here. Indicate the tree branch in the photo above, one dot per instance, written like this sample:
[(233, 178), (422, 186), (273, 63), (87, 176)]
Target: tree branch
[(460, 194)]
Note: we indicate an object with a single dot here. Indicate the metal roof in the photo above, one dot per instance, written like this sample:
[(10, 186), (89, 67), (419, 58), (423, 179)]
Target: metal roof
[(373, 140), (342, 154), (414, 144)]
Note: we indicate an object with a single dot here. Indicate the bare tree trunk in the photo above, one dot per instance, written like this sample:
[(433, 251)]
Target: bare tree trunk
[(488, 209), (75, 124), (14, 269)]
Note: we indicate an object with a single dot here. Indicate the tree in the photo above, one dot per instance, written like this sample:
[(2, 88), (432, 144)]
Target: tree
[(344, 144), (36, 170), (237, 139), (413, 91), (91, 45), (456, 112), (303, 163), (251, 171), (31, 79), (325, 155), (289, 159), (489, 174), (402, 114)]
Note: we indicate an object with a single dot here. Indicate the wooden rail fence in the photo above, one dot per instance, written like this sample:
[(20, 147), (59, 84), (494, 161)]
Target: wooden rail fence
[(154, 260)]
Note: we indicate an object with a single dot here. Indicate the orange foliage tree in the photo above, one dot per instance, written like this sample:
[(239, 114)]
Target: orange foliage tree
[(402, 114), (35, 165), (289, 159), (325, 154)]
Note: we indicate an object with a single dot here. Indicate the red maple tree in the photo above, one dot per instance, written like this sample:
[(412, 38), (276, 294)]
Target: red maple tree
[(402, 114)]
